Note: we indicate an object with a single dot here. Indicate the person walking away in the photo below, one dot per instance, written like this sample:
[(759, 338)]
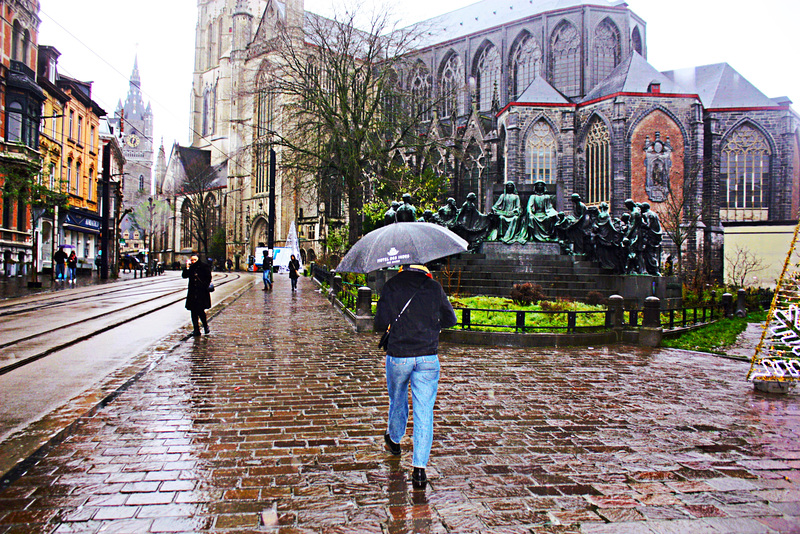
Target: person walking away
[(294, 267), (414, 308), (59, 259), (198, 297), (266, 265), (72, 265)]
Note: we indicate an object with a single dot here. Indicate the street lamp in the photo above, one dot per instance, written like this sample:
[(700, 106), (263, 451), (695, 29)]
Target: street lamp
[(150, 236)]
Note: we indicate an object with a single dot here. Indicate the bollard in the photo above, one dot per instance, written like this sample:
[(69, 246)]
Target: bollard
[(741, 303), (727, 304), (617, 310), (651, 317), (364, 302), (650, 333), (337, 284)]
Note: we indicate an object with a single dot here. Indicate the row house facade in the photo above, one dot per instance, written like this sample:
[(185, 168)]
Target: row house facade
[(21, 102)]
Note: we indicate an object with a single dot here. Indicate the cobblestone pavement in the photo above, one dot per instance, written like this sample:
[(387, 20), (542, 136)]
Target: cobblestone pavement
[(274, 423)]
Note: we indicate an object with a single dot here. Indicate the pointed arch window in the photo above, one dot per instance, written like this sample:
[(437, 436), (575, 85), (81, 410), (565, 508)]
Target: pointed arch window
[(598, 164), (451, 86), (209, 110), (475, 163), (487, 75), (525, 64), (420, 86), (540, 154), (636, 41), (186, 225), (744, 175), (265, 126), (606, 54), (564, 59)]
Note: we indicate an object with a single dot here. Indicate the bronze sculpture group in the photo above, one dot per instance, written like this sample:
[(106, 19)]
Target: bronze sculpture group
[(630, 244)]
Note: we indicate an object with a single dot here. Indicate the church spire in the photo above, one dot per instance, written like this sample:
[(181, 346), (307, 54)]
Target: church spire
[(135, 80)]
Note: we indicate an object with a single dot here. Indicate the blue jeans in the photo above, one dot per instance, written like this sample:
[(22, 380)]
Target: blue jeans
[(423, 374), (60, 271)]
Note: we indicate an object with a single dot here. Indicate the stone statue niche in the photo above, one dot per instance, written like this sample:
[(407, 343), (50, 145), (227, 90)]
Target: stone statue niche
[(658, 163)]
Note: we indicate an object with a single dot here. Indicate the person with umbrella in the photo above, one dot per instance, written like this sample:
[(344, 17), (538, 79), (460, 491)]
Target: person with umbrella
[(414, 308)]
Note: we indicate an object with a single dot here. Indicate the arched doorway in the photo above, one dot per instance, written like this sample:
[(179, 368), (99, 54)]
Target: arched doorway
[(258, 234)]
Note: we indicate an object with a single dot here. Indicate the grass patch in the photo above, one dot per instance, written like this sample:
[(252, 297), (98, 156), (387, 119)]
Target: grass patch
[(717, 336), (495, 314)]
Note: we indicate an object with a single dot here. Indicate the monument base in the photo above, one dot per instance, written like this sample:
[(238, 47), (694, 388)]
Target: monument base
[(497, 249)]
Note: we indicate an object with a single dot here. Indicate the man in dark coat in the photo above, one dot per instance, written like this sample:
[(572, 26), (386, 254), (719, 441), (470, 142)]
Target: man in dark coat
[(59, 259), (198, 297), (415, 308)]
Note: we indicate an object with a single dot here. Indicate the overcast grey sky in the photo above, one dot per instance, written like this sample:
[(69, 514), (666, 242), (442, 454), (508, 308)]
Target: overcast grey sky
[(99, 39)]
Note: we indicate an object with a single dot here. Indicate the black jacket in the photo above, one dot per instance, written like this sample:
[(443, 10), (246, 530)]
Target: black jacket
[(197, 296), (416, 333)]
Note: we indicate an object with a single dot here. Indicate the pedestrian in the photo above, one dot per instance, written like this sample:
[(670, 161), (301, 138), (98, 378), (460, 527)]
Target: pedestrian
[(198, 296), (294, 267), (229, 264), (413, 308), (59, 259), (72, 264), (266, 265)]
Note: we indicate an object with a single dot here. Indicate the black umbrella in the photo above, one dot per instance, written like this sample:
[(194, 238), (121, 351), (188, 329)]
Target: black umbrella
[(400, 244)]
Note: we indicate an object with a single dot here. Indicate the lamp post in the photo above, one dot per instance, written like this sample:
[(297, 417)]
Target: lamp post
[(150, 236)]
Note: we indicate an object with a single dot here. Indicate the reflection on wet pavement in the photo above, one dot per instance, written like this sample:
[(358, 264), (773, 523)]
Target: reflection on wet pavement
[(275, 423)]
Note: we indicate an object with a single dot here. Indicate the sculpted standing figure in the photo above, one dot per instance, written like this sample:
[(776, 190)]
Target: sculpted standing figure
[(579, 226), (541, 217), (406, 212), (652, 240), (506, 210), (391, 214), (607, 241), (635, 239), (446, 216), (471, 224)]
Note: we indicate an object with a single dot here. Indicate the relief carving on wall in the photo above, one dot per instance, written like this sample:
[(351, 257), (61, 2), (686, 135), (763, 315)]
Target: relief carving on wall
[(658, 163)]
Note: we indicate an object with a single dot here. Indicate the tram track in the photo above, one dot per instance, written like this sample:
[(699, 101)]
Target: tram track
[(40, 302), (8, 346)]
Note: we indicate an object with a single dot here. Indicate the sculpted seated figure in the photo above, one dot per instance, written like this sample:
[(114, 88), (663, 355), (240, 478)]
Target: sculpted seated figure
[(505, 214), (540, 217)]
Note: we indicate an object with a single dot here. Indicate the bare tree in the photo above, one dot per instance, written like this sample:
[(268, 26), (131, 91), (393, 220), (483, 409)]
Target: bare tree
[(742, 264), (680, 215), (200, 203), (346, 113)]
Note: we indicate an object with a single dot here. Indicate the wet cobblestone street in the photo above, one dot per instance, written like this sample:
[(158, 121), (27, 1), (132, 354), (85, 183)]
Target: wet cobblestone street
[(275, 423)]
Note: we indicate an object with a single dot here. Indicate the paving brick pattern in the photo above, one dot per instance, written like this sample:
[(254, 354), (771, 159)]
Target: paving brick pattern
[(274, 423)]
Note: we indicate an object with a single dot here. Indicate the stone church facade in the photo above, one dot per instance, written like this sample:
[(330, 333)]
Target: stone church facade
[(558, 90)]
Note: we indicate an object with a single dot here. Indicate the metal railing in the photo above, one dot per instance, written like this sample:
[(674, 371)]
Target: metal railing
[(569, 321)]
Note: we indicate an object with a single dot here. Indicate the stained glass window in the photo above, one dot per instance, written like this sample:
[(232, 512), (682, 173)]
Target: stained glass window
[(451, 86), (540, 154), (488, 76), (598, 164), (564, 59), (606, 54), (744, 175), (525, 64)]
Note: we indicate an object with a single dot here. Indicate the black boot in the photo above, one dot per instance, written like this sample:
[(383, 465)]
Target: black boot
[(418, 478), (394, 448)]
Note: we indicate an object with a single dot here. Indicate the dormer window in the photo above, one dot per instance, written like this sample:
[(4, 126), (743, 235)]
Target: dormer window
[(654, 88)]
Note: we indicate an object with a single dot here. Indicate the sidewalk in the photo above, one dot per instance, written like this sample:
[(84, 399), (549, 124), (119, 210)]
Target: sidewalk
[(274, 422)]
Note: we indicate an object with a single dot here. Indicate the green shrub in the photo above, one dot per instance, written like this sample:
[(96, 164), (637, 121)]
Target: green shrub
[(527, 294)]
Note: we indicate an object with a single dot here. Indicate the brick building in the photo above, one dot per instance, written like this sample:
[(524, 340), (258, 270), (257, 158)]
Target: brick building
[(21, 103)]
